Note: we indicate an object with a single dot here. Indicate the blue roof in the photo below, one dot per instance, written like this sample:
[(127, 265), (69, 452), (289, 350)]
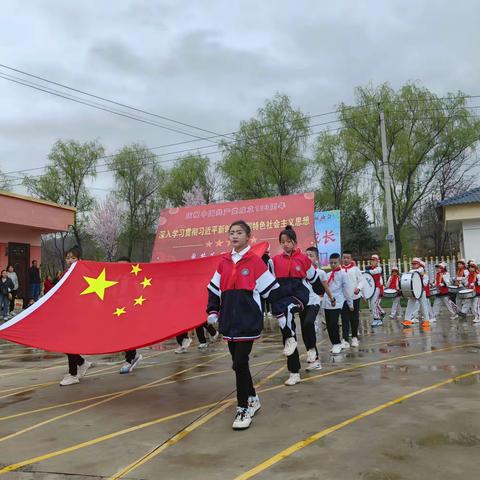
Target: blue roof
[(470, 196)]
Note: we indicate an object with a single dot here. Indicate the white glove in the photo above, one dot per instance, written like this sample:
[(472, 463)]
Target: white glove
[(212, 318)]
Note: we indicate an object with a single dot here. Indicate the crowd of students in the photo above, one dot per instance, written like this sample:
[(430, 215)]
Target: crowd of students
[(291, 283)]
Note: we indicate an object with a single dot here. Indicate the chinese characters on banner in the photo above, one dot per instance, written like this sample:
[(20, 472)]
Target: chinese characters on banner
[(327, 234), (202, 230)]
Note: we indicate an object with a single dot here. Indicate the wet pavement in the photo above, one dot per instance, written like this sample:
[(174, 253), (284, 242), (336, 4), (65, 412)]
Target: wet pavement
[(405, 405)]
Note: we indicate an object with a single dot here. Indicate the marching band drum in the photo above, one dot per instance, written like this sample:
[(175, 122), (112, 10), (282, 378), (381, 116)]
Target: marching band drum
[(368, 285), (411, 285)]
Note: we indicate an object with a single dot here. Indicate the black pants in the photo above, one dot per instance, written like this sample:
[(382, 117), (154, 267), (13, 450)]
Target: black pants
[(350, 319), (331, 317), (200, 333), (74, 361), (293, 361), (240, 352), (130, 355), (12, 301), (307, 322)]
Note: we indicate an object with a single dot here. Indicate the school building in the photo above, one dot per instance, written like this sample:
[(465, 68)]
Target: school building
[(461, 213), (22, 222)]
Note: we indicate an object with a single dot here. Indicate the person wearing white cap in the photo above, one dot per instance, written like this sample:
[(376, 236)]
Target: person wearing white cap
[(472, 281), (423, 302), (460, 275), (442, 282), (376, 310), (393, 283)]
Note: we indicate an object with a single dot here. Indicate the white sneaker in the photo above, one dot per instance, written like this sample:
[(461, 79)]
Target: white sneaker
[(454, 317), (128, 367), (203, 346), (336, 349), (355, 342), (69, 380), (215, 337), (476, 320), (316, 365), (345, 345), (82, 369), (242, 420), (290, 346), (392, 316), (254, 405), (184, 346), (311, 355), (433, 320), (293, 379)]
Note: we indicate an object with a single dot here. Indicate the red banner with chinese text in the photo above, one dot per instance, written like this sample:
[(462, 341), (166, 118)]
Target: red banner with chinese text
[(202, 230)]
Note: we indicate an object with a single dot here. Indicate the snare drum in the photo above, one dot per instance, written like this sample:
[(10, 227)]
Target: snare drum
[(434, 291), (453, 289), (467, 293), (390, 293), (411, 285), (368, 285)]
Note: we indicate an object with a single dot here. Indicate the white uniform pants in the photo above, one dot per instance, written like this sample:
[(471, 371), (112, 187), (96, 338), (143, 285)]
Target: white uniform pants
[(444, 301), (374, 304), (422, 303), (471, 305), (397, 310), (463, 305)]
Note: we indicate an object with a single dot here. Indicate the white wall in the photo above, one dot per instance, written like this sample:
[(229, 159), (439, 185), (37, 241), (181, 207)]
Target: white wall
[(471, 239)]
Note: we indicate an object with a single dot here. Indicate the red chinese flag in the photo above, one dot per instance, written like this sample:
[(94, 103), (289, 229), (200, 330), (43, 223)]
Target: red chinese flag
[(110, 307)]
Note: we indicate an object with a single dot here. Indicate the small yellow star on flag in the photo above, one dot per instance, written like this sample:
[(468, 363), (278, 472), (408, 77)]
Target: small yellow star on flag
[(136, 269), (119, 311), (147, 282), (139, 300), (98, 285)]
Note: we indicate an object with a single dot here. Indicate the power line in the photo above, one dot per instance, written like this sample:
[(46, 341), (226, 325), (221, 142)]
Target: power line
[(190, 150), (67, 96), (109, 100)]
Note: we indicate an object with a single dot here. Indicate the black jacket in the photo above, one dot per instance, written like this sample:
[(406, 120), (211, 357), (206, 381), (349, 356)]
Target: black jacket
[(6, 286), (34, 275)]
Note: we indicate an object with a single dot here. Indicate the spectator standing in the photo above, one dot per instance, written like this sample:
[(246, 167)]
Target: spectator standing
[(6, 287), (34, 281), (12, 275)]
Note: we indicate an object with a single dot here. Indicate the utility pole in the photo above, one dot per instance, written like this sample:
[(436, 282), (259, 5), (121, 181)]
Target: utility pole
[(388, 192)]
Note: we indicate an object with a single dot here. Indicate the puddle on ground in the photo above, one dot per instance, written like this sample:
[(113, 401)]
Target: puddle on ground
[(463, 439)]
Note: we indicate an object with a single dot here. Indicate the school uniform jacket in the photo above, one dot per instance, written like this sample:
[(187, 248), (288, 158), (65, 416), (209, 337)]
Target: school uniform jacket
[(234, 294), (473, 281), (442, 281), (293, 273), (376, 273)]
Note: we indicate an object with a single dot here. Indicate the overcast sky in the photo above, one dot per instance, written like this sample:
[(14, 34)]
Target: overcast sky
[(213, 63)]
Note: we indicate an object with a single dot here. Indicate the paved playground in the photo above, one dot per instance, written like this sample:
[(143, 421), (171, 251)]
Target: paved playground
[(402, 406)]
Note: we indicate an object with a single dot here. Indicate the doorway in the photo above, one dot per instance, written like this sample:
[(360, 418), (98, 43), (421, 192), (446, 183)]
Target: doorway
[(19, 257)]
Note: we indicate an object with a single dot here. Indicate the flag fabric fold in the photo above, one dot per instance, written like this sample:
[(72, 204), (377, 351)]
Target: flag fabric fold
[(100, 307)]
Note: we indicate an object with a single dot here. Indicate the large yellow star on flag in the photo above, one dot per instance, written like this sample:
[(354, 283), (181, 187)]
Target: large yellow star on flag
[(136, 269), (98, 285)]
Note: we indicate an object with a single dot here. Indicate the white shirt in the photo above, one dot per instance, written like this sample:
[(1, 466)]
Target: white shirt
[(341, 290), (13, 277), (314, 298), (356, 280), (237, 256)]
